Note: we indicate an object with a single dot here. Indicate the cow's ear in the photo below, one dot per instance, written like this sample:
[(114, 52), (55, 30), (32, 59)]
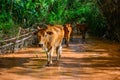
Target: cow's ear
[(64, 25), (35, 32), (49, 32), (38, 27)]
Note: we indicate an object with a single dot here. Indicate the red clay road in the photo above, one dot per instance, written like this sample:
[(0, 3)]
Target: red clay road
[(96, 60)]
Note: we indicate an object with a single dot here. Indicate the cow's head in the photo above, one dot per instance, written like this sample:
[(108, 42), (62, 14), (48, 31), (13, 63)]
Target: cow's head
[(66, 28), (44, 35)]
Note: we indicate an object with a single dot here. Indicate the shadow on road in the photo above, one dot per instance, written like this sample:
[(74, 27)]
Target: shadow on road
[(94, 60)]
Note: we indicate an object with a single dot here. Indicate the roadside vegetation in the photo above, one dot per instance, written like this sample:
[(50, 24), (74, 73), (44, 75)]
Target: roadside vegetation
[(25, 13)]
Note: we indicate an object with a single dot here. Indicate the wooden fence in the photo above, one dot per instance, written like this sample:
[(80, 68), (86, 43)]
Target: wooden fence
[(14, 44)]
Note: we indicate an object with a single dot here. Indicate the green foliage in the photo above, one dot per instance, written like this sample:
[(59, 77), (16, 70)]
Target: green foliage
[(27, 12)]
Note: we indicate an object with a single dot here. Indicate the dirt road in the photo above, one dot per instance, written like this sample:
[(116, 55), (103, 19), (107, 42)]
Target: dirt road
[(95, 60)]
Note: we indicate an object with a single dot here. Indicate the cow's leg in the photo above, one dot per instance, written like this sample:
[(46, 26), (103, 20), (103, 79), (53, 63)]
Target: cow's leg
[(48, 58), (68, 41), (83, 36), (49, 55), (58, 52), (65, 40), (77, 31), (71, 36), (47, 51)]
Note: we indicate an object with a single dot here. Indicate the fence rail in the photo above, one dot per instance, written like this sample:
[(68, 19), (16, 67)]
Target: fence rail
[(14, 44)]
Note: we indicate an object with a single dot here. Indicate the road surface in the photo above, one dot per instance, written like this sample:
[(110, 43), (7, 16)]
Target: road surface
[(97, 59)]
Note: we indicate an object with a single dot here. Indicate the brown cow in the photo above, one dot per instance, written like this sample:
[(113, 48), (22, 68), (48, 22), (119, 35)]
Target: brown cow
[(68, 32), (51, 38), (83, 29)]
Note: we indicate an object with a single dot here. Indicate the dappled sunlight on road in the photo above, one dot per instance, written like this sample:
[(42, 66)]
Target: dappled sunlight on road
[(95, 60)]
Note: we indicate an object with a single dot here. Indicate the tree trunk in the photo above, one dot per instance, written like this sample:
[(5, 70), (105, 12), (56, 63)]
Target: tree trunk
[(111, 10)]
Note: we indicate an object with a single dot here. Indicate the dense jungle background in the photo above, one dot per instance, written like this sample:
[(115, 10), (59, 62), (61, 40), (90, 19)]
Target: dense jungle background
[(102, 16)]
